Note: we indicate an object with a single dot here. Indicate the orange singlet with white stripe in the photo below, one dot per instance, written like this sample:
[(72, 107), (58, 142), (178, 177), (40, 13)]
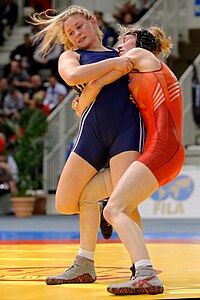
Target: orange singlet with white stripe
[(159, 99)]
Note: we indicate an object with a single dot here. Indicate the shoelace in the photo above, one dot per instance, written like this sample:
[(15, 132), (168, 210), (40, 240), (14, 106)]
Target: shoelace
[(71, 268)]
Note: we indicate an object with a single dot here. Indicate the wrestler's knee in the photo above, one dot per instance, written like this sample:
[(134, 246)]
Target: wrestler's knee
[(64, 205), (88, 194), (98, 188), (88, 200), (110, 212)]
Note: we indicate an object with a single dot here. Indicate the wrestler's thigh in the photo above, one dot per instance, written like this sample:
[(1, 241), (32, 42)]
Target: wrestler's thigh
[(136, 184), (120, 163), (75, 175)]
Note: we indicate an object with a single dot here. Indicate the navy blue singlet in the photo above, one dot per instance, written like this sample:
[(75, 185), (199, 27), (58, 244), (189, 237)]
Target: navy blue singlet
[(112, 123)]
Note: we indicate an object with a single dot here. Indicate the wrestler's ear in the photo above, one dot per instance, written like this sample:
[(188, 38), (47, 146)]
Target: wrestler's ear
[(93, 21)]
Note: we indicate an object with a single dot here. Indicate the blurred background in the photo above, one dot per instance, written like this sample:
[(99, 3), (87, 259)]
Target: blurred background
[(38, 126)]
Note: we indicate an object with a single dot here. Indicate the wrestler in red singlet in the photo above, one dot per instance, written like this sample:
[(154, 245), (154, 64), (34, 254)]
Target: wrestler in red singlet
[(158, 96)]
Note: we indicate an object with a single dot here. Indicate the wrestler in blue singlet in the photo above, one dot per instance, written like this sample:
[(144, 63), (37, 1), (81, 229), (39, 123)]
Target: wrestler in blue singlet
[(111, 124)]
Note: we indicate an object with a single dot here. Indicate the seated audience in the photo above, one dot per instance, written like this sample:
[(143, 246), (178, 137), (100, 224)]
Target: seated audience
[(36, 90), (13, 103), (24, 53), (129, 12), (50, 61), (110, 35), (55, 93), (3, 90), (9, 14), (122, 8), (18, 76), (38, 5)]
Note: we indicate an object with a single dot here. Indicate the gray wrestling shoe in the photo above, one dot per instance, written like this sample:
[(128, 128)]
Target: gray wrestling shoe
[(82, 271), (144, 282)]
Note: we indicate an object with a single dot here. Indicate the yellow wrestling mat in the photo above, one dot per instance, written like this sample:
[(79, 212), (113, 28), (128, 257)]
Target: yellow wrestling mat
[(23, 269)]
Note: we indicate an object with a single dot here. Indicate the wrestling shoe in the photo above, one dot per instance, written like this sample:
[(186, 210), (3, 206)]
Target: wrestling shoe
[(106, 228), (144, 282), (82, 271)]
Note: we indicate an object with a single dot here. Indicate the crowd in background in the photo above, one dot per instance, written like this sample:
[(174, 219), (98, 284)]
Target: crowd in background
[(129, 12), (30, 81)]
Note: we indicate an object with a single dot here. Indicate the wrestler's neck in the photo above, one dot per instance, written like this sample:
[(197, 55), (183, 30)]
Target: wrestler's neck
[(95, 47), (100, 49)]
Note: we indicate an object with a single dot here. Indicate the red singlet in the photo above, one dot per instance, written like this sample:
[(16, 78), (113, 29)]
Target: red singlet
[(159, 99)]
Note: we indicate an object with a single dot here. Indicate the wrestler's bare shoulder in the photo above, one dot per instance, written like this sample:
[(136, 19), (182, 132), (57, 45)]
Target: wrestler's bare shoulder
[(143, 60), (140, 53), (68, 54)]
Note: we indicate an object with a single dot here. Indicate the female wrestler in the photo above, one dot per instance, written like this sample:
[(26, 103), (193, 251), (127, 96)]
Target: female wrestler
[(111, 127), (158, 95), (107, 125)]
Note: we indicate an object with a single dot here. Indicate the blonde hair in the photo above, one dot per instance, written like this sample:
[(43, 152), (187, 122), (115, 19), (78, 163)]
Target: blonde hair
[(53, 31), (163, 43)]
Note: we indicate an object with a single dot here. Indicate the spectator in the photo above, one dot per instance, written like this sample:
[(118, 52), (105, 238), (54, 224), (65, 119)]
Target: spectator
[(18, 77), (129, 12), (9, 14), (24, 53), (55, 93), (6, 69), (3, 93), (50, 61), (3, 90), (2, 38), (128, 18), (110, 36), (38, 5), (147, 4), (122, 8), (35, 95), (13, 103)]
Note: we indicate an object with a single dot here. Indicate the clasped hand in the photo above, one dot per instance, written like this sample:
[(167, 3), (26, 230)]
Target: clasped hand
[(123, 64), (76, 106)]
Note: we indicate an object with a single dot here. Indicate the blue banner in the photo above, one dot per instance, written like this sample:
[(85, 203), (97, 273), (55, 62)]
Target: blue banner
[(197, 8)]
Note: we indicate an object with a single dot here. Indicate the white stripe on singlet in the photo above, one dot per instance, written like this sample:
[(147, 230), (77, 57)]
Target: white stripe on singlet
[(81, 125)]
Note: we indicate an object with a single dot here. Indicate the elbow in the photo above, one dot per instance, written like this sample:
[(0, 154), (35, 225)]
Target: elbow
[(70, 78)]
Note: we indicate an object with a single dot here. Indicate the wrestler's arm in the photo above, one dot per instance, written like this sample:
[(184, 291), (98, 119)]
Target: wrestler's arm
[(92, 89), (73, 73), (142, 60)]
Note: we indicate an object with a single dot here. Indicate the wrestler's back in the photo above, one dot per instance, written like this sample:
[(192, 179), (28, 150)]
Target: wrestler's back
[(150, 90), (158, 96)]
